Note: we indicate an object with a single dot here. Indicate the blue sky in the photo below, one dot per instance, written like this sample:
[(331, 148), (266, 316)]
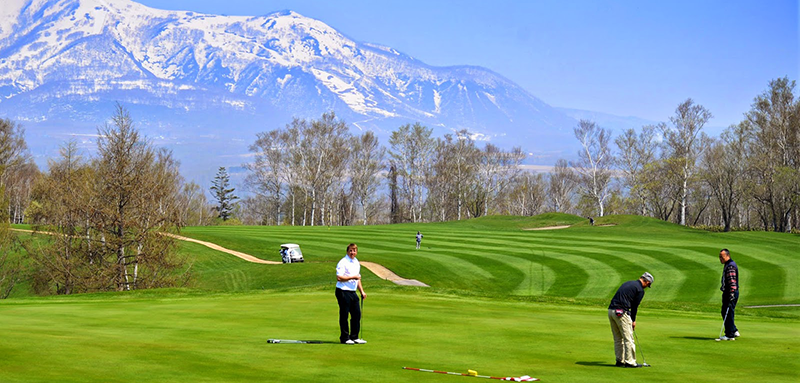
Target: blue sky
[(629, 58)]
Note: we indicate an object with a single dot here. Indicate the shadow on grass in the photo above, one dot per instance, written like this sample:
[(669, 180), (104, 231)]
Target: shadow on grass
[(693, 337), (596, 364)]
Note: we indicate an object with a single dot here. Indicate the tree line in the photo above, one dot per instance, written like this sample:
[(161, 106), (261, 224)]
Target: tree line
[(314, 172), (106, 218)]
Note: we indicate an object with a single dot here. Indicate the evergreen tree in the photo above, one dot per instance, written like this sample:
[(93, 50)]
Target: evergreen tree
[(224, 194)]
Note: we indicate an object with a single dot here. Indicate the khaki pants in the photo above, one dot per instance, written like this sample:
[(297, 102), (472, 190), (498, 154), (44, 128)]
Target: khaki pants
[(622, 328)]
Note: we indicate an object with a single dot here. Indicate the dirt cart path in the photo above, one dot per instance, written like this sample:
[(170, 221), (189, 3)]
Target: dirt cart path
[(548, 228), (388, 275), (377, 269), (246, 257)]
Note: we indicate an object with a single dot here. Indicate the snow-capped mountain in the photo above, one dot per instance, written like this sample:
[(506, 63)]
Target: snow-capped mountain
[(186, 75)]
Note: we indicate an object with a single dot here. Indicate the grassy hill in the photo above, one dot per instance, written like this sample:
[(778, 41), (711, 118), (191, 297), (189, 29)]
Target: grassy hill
[(497, 256)]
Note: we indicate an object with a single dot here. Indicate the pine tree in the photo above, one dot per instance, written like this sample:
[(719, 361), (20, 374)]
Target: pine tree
[(224, 194)]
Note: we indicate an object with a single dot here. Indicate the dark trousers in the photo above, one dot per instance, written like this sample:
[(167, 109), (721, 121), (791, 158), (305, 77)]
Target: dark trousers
[(728, 315), (348, 304)]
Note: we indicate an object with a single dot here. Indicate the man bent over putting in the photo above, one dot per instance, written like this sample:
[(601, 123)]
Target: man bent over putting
[(622, 316)]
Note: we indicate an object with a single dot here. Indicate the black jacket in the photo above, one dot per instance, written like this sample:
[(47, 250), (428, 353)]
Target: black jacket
[(628, 297)]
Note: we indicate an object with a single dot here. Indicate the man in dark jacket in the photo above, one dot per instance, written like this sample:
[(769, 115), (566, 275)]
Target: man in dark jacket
[(622, 316), (730, 294)]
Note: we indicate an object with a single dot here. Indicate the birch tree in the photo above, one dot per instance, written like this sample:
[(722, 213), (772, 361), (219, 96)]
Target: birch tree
[(412, 151), (496, 168), (367, 161), (323, 154), (724, 167), (774, 120), (453, 171), (635, 153), (17, 170), (561, 186), (268, 171), (683, 143), (594, 162)]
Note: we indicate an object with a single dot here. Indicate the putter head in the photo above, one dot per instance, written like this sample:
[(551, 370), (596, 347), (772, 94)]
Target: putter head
[(645, 365)]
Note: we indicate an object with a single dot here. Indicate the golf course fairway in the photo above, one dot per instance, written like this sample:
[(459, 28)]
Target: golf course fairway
[(508, 296)]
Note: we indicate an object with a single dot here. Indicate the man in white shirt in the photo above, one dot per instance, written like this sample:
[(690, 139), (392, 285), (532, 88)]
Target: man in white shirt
[(348, 279)]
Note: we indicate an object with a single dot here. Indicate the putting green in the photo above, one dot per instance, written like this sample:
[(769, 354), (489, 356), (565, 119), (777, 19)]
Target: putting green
[(181, 336)]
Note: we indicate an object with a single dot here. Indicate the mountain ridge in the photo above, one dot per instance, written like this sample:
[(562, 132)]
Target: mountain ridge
[(66, 61)]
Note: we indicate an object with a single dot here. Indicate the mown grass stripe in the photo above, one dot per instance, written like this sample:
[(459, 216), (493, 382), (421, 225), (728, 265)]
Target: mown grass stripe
[(454, 252)]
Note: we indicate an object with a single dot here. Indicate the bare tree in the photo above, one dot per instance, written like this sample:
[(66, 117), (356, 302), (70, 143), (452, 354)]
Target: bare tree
[(561, 186), (635, 153), (412, 151), (661, 187), (65, 197), (269, 170), (13, 149), (323, 155), (774, 120), (138, 186), (109, 216), (723, 168), (683, 144), (495, 169), (526, 194), (193, 205), (594, 162), (367, 161), (454, 169), (17, 170)]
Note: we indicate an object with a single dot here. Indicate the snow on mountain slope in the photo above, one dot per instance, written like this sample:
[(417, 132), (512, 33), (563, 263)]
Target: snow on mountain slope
[(65, 58)]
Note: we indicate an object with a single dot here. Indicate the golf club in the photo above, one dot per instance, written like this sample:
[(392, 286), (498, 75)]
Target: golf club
[(286, 341), (725, 318), (362, 318), (639, 346), (474, 374)]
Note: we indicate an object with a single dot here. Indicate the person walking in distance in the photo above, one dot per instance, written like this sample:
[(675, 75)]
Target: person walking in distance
[(419, 239), (730, 294), (622, 316), (348, 279)]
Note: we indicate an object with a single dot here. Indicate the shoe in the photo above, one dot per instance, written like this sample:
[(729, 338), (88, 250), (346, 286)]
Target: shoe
[(726, 338), (736, 334), (619, 364), (349, 341), (359, 341), (633, 365)]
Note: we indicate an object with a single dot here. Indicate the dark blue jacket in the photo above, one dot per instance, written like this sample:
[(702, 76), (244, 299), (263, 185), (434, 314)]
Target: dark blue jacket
[(628, 297)]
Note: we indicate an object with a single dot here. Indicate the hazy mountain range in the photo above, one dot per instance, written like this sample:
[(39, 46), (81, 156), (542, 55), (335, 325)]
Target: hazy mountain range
[(204, 85)]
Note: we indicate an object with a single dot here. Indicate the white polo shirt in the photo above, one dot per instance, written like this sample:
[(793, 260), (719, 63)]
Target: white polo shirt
[(348, 267)]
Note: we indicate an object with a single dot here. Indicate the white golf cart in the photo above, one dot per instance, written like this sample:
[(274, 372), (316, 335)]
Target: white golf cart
[(290, 253)]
